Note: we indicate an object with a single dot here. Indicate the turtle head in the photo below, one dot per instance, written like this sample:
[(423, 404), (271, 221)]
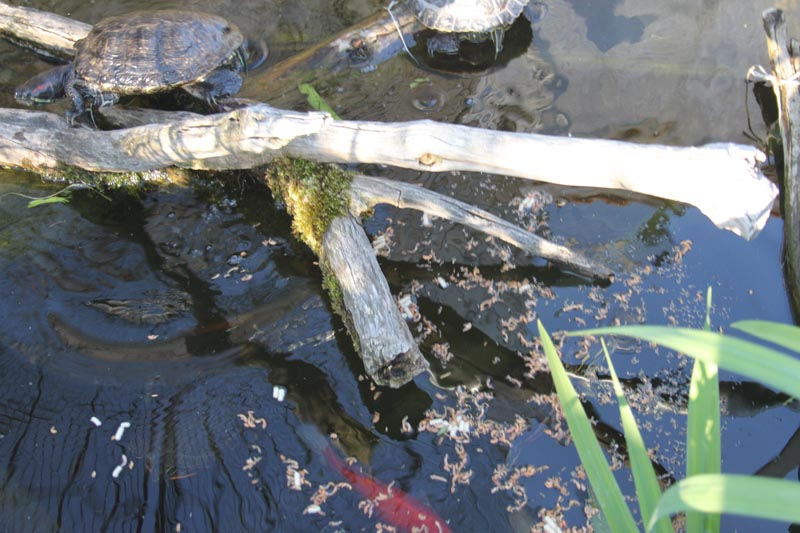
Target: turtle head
[(44, 88)]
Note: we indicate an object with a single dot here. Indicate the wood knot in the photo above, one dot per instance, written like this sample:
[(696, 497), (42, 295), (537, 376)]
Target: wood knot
[(429, 160)]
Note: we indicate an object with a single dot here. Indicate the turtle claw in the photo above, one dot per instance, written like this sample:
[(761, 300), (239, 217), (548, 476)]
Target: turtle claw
[(73, 118), (70, 116)]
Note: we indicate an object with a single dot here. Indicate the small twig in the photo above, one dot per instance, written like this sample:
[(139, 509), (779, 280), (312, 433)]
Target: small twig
[(72, 186), (399, 31)]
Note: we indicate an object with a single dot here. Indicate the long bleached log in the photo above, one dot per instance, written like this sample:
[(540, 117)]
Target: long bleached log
[(722, 180)]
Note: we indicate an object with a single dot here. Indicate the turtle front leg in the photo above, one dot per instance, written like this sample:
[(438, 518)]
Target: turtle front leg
[(220, 83), (75, 93)]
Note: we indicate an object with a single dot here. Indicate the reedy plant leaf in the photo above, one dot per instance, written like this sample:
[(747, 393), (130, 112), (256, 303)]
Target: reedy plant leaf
[(648, 490), (609, 495), (759, 497), (703, 446)]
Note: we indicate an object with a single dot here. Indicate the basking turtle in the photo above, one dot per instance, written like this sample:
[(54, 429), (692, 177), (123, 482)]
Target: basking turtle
[(145, 52), (473, 19)]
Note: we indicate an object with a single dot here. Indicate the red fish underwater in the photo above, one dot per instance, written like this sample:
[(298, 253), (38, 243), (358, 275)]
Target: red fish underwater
[(394, 506)]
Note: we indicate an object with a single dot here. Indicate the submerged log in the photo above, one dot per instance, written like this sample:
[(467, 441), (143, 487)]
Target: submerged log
[(362, 46), (784, 62)]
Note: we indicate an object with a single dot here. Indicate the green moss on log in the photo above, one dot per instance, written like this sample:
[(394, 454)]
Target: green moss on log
[(115, 180), (314, 195)]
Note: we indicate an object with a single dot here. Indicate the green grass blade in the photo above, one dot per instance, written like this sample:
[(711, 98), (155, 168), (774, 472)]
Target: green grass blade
[(770, 367), (47, 200), (759, 497), (703, 447), (784, 335), (648, 490), (609, 495), (703, 455)]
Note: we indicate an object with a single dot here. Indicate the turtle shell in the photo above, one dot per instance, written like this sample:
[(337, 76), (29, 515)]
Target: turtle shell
[(466, 15), (151, 51)]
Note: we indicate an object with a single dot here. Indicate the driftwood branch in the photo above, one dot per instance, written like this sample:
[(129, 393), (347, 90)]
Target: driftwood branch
[(47, 33), (784, 62), (372, 316), (722, 180), (368, 191)]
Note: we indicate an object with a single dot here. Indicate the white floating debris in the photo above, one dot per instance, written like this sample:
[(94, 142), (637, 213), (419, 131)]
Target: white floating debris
[(438, 422), (118, 469), (380, 245), (278, 392), (312, 509), (551, 526), (405, 303), (96, 421), (442, 282), (121, 430), (455, 429)]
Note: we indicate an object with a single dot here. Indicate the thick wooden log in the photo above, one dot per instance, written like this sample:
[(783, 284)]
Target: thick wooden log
[(390, 355), (368, 191), (47, 33), (786, 84), (244, 138), (722, 180)]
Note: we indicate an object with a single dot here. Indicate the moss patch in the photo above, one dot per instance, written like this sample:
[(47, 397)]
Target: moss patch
[(314, 195), (115, 180)]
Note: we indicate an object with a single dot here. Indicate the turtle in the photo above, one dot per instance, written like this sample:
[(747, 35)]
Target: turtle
[(146, 52), (472, 19)]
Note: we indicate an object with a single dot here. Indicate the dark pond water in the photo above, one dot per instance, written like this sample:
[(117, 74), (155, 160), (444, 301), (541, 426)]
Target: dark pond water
[(176, 318)]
